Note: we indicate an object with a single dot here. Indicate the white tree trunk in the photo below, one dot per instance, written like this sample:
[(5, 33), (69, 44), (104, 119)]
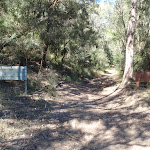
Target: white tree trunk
[(128, 72)]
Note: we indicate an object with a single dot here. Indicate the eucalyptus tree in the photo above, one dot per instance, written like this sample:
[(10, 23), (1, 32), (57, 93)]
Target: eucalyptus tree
[(128, 72), (58, 24), (15, 41), (117, 30), (100, 19), (142, 35)]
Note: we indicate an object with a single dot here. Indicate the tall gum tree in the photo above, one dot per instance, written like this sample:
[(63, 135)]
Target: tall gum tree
[(128, 72)]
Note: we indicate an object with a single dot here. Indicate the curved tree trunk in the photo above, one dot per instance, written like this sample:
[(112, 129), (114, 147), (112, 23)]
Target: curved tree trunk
[(128, 72)]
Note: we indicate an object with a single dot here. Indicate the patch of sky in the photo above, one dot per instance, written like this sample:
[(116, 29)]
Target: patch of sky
[(105, 1), (107, 7)]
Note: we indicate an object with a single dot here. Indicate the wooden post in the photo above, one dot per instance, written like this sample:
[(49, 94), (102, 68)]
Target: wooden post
[(25, 87), (137, 85), (26, 82)]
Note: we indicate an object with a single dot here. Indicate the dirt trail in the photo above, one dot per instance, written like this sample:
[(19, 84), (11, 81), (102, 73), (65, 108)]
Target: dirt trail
[(93, 90), (97, 118), (84, 118)]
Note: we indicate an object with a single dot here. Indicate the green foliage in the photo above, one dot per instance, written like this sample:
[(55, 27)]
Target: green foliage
[(142, 39), (116, 33), (44, 81), (77, 36), (66, 28), (52, 82)]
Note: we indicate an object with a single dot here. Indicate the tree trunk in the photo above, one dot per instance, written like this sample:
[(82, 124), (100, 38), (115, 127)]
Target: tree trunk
[(43, 60), (62, 60), (128, 72)]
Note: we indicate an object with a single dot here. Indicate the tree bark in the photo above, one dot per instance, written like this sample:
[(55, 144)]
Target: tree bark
[(128, 72)]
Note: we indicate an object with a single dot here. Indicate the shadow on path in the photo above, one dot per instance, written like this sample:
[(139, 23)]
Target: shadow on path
[(74, 121)]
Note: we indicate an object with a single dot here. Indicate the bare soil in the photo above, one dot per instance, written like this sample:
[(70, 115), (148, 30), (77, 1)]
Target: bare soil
[(85, 116)]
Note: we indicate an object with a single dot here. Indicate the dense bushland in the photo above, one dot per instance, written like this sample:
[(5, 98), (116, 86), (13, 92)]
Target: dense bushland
[(78, 38)]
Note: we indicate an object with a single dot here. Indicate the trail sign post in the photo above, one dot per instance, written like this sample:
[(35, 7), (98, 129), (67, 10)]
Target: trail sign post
[(141, 77), (14, 73)]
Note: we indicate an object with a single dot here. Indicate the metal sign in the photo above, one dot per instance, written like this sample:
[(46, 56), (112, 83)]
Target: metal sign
[(14, 73)]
